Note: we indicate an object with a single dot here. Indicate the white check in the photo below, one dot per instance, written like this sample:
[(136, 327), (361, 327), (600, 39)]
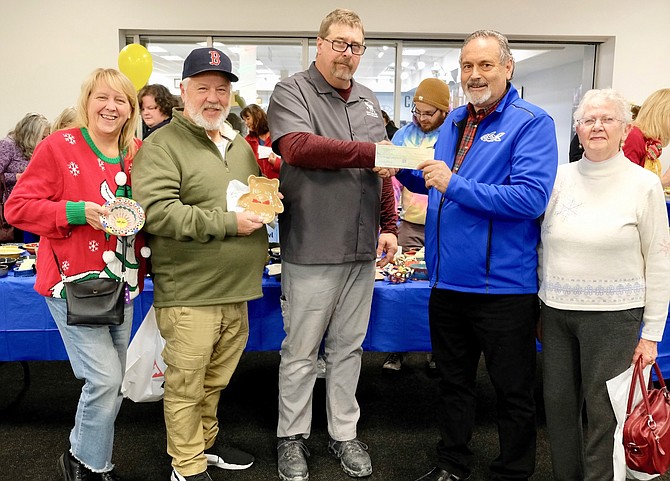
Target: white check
[(397, 157)]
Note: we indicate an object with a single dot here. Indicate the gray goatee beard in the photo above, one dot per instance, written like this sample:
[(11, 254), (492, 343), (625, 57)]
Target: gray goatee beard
[(478, 99)]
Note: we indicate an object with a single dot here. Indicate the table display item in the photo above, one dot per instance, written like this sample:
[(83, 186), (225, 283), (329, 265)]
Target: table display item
[(263, 198), (31, 247), (126, 217), (11, 251), (398, 271)]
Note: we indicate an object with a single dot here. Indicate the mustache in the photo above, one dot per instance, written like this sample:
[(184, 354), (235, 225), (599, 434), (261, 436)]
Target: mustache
[(212, 106), (476, 84), (346, 63)]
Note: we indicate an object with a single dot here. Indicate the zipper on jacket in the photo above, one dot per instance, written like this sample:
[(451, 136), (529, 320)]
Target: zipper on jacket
[(488, 253), (437, 267), (229, 144)]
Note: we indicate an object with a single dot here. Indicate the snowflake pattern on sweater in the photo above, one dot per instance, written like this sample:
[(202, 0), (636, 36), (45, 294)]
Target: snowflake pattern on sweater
[(64, 169)]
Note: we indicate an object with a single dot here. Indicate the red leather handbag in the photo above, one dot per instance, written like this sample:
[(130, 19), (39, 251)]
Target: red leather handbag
[(646, 432)]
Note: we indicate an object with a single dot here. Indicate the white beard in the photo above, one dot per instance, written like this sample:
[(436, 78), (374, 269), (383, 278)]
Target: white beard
[(198, 118)]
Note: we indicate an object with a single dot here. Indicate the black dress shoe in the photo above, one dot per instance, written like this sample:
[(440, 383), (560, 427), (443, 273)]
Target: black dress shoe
[(439, 474), (72, 470)]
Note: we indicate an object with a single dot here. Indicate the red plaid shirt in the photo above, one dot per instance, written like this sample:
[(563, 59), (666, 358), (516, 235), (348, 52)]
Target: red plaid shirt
[(474, 118)]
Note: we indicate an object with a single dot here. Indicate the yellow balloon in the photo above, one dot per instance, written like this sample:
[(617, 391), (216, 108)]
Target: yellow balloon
[(136, 63)]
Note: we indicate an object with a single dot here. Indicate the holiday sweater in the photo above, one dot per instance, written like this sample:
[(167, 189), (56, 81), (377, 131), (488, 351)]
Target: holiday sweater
[(605, 242), (63, 173)]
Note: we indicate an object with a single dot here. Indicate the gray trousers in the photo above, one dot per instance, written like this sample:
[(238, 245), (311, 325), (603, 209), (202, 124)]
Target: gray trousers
[(581, 350), (332, 301)]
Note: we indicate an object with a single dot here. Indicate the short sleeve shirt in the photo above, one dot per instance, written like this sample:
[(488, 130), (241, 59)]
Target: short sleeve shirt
[(330, 216)]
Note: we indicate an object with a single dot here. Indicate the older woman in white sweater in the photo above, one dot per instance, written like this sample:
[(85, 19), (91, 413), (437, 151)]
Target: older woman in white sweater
[(604, 273)]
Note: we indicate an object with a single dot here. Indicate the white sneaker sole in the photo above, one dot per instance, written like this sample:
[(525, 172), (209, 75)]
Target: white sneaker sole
[(175, 476), (216, 461)]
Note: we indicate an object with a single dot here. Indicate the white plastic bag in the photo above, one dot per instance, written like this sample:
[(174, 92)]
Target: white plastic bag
[(618, 388), (144, 378)]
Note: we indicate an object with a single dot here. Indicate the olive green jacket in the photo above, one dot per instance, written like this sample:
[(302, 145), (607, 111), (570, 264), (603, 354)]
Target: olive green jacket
[(180, 179)]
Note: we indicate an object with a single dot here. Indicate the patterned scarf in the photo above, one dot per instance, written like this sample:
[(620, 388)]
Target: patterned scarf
[(653, 152)]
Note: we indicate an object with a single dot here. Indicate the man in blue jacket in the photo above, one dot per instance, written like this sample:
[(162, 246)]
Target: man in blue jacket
[(496, 160)]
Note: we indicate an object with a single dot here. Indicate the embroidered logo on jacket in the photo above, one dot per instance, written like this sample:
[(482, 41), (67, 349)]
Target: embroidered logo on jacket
[(370, 109), (492, 137)]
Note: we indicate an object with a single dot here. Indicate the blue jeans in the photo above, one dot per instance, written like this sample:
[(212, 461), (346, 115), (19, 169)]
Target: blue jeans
[(97, 356)]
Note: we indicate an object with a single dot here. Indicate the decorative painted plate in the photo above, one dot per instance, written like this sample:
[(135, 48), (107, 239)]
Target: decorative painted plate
[(126, 217)]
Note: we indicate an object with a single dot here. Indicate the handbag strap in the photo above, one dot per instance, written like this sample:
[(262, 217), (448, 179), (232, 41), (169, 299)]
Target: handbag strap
[(123, 260), (639, 379)]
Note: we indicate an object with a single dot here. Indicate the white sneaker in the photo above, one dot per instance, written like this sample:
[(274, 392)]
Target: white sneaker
[(393, 362), (204, 476)]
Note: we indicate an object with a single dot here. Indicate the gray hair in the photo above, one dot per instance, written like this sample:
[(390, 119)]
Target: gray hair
[(505, 52), (604, 96)]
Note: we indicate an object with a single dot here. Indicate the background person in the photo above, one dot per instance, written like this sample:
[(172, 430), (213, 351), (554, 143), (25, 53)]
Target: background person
[(650, 133), (156, 104), (389, 125), (15, 152), (328, 236), (207, 260), (431, 106), (495, 165), (65, 120), (60, 197), (603, 268), (259, 135), (17, 148)]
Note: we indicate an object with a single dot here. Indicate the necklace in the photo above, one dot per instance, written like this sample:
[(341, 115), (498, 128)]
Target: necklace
[(94, 148)]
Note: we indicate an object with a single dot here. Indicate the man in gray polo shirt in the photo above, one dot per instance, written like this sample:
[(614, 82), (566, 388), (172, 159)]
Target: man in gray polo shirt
[(325, 127)]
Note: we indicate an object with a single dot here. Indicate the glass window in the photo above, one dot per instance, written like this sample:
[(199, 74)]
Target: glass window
[(552, 75)]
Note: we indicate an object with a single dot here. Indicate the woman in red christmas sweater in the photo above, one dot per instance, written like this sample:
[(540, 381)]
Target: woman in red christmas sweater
[(259, 136), (60, 197)]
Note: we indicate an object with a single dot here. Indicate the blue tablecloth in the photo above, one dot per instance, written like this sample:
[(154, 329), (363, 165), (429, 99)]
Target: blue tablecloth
[(398, 322)]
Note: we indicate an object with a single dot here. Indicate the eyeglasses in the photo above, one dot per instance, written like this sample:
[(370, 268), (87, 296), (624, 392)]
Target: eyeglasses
[(606, 121), (423, 115), (342, 46)]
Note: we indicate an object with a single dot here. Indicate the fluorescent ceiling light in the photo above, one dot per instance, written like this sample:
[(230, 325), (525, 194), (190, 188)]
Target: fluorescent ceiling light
[(172, 58), (522, 54), (155, 49), (413, 52)]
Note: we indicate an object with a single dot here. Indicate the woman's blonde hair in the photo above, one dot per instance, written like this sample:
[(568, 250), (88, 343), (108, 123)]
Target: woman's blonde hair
[(66, 119), (654, 116), (119, 82)]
